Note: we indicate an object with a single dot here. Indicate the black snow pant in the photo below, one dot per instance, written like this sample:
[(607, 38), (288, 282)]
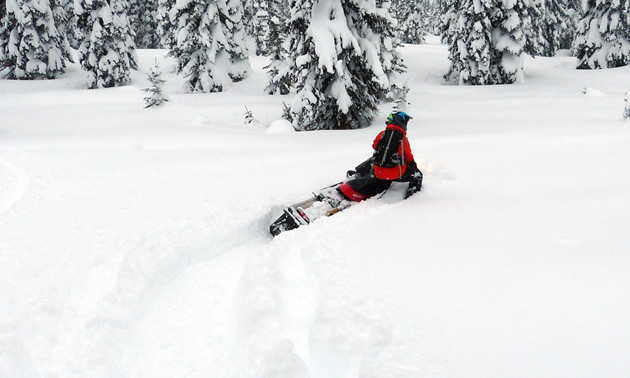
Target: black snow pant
[(369, 185)]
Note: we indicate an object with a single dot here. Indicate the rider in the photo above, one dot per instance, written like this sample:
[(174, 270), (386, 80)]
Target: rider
[(392, 161)]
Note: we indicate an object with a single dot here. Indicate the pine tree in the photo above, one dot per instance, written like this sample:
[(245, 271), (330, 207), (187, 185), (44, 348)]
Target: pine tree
[(401, 102), (470, 49), (278, 68), (6, 25), (150, 38), (63, 22), (155, 78), (143, 20), (210, 48), (567, 35), (108, 52), (603, 35), (69, 27), (391, 61), (30, 46), (249, 12), (236, 36), (447, 27), (338, 63), (411, 16), (249, 118), (512, 38), (488, 39), (165, 27), (260, 26), (550, 26), (434, 15)]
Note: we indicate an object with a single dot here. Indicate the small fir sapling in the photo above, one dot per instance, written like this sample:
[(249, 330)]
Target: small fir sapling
[(249, 117), (626, 112), (155, 78), (400, 98)]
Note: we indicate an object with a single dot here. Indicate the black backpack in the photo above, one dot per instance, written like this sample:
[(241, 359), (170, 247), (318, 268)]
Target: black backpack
[(386, 152)]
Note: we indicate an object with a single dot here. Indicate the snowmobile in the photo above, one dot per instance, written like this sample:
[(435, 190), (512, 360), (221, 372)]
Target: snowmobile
[(388, 158), (328, 201)]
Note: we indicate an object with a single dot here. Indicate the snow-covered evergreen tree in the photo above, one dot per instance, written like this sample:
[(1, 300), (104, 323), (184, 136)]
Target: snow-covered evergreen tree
[(31, 47), (211, 50), (488, 39), (165, 26), (470, 49), (236, 37), (278, 69), (512, 38), (567, 35), (338, 62), (249, 11), (132, 16), (412, 19), (65, 27), (250, 119), (447, 26), (434, 15), (69, 28), (603, 35), (401, 102), (235, 33), (391, 61), (155, 78), (550, 26), (143, 19), (5, 32), (260, 25), (108, 52)]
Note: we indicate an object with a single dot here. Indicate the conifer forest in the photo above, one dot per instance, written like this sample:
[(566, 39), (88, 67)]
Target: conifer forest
[(338, 56)]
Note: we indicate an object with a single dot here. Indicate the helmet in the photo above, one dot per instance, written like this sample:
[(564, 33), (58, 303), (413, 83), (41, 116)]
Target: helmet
[(399, 119)]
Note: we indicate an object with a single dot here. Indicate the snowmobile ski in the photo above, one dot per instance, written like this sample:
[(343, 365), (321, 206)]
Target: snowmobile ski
[(326, 202)]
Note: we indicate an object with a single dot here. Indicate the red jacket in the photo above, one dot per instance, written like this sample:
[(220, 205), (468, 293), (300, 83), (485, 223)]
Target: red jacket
[(404, 150)]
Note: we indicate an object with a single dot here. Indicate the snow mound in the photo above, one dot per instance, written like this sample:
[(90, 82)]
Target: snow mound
[(594, 92), (280, 126), (200, 121)]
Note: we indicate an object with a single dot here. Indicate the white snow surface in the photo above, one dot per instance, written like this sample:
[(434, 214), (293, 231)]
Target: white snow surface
[(134, 243)]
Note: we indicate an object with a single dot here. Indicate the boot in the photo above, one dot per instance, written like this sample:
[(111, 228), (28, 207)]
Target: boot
[(415, 184)]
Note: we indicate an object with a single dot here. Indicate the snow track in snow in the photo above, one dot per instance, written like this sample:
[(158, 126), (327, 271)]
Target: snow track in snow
[(293, 319), (104, 304), (294, 315), (145, 273), (14, 183), (279, 307)]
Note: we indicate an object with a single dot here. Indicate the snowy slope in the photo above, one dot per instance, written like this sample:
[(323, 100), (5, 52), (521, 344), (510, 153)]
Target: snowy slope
[(134, 243)]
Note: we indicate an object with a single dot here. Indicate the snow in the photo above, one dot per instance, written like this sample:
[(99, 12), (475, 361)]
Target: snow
[(280, 126), (135, 242), (105, 14), (477, 6)]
